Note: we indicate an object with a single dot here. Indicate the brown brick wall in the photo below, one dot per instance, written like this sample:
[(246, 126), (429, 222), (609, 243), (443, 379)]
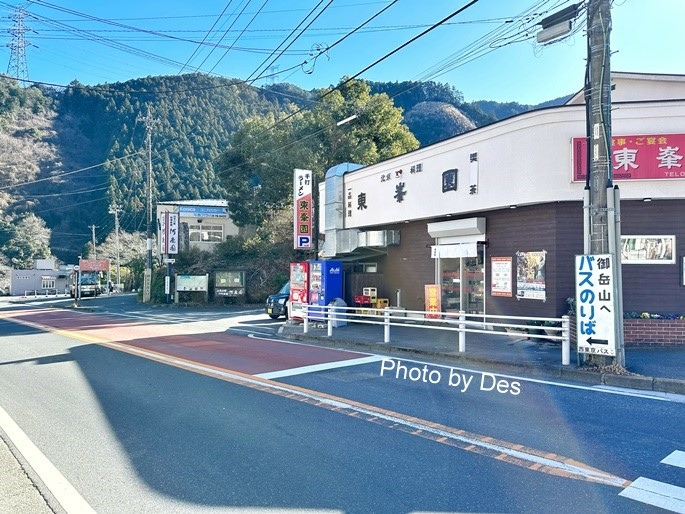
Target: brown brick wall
[(409, 265), (647, 332), (558, 229)]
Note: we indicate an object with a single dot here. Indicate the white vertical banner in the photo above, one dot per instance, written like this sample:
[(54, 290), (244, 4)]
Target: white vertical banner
[(168, 233), (303, 209), (596, 330)]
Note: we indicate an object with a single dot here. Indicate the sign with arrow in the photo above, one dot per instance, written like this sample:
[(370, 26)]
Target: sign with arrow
[(595, 280)]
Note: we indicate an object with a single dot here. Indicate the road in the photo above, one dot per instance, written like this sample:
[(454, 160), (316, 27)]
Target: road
[(170, 410)]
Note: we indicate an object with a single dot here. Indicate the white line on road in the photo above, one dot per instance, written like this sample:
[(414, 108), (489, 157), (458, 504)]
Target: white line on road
[(319, 367), (648, 395), (65, 493), (658, 494), (677, 458)]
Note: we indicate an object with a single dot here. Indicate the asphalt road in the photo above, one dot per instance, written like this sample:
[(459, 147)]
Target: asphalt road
[(125, 404)]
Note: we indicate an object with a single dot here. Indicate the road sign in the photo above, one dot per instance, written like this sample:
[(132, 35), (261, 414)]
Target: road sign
[(595, 279), (169, 261)]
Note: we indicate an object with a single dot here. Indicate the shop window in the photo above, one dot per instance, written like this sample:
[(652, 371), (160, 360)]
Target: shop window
[(48, 283), (206, 233), (366, 267)]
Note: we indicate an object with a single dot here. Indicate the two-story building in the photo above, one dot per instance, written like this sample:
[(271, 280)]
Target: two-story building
[(202, 223), (495, 215)]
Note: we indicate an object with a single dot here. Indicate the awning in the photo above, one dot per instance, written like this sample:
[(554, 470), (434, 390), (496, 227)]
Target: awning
[(454, 251)]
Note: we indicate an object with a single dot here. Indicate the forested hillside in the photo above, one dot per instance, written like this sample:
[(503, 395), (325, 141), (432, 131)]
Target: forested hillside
[(69, 154)]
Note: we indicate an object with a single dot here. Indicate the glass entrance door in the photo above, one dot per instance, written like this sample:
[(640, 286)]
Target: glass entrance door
[(463, 283)]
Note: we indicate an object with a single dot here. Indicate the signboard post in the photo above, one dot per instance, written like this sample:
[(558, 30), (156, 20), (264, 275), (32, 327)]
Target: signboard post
[(168, 246), (302, 224), (596, 330)]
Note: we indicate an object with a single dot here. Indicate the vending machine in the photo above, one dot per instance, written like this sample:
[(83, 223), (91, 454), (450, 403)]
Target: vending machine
[(326, 282), (299, 289)]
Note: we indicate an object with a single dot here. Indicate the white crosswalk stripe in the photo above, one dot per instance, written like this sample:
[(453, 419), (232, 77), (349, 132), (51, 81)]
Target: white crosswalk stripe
[(659, 494), (677, 458)]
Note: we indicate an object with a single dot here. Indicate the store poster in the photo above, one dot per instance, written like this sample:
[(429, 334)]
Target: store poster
[(530, 275)]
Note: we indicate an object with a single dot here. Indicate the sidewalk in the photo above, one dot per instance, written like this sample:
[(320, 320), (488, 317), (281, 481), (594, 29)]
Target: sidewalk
[(18, 494), (653, 369)]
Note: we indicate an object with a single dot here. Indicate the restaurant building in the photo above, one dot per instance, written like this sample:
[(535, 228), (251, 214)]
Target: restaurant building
[(495, 215)]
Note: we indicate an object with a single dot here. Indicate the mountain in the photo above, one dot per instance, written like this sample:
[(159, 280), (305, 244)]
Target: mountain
[(70, 153)]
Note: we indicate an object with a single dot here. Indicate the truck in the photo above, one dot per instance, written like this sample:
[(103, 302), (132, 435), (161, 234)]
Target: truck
[(89, 283)]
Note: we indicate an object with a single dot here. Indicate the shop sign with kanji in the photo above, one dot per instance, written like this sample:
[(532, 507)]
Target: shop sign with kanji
[(303, 209), (596, 331), (637, 157)]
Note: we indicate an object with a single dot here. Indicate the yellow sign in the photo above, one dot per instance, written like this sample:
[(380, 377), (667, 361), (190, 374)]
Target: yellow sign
[(433, 301)]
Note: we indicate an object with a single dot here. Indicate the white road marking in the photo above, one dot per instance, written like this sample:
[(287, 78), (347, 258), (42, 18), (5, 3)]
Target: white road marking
[(65, 493), (658, 494), (319, 367), (250, 331), (677, 458), (648, 395), (651, 395)]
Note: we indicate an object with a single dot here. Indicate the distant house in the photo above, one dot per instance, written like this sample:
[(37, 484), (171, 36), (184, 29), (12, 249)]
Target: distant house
[(45, 278), (202, 223)]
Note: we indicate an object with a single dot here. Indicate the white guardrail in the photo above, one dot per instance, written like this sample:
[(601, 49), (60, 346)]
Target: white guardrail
[(42, 292), (556, 329)]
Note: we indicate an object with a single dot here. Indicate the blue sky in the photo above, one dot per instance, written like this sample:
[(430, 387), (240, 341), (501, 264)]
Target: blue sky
[(488, 51)]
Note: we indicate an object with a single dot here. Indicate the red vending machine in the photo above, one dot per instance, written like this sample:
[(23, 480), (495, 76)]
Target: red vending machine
[(299, 289)]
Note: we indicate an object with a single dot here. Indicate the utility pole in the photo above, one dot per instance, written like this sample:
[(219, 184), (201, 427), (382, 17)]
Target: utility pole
[(150, 122), (603, 232), (95, 252), (115, 209)]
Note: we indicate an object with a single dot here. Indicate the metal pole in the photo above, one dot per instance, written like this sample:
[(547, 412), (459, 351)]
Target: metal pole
[(386, 325), (462, 332), (95, 252), (566, 341), (618, 278), (599, 140), (149, 123), (115, 209)]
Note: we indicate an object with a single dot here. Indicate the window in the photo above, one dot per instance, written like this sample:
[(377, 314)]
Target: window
[(206, 233), (48, 283), (366, 267)]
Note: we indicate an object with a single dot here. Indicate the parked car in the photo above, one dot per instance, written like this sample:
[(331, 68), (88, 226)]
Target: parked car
[(277, 304)]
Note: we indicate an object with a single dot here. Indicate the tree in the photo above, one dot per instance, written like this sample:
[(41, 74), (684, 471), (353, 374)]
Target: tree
[(132, 253), (434, 121), (24, 240), (257, 167)]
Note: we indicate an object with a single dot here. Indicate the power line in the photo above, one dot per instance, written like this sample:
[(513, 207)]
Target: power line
[(286, 39), (239, 35), (204, 38)]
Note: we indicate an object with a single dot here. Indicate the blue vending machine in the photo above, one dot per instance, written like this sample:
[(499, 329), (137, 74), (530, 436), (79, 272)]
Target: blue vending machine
[(326, 283)]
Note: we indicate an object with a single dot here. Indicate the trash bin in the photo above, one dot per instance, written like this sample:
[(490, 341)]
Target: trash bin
[(339, 316)]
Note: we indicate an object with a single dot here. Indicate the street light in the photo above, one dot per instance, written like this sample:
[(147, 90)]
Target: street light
[(558, 24)]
